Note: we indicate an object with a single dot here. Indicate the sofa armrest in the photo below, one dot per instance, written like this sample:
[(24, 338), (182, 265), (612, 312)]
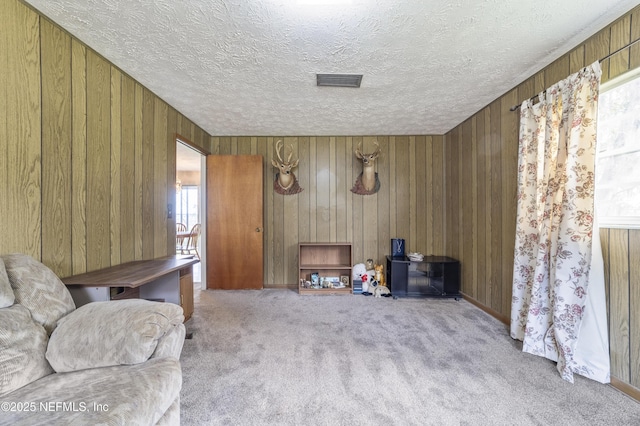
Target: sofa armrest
[(170, 344), (102, 334)]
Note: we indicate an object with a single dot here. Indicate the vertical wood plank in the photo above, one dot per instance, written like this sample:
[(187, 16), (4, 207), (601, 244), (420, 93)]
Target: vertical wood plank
[(596, 48), (413, 231), (576, 59), (148, 187), (56, 149), (558, 70), (279, 227), (604, 241), (127, 170), (358, 228), (467, 209), (266, 150), (496, 208), (420, 182), (474, 203), (383, 204), (452, 181), (370, 211), (304, 179), (78, 157), (244, 145), (393, 219), (342, 157), (620, 37), (159, 183), (116, 165), (323, 185), (509, 123), (172, 118), (402, 188), (634, 307), (349, 180), (313, 200), (98, 166), (20, 143), (482, 206), (138, 170), (333, 192), (438, 198), (619, 303), (291, 226)]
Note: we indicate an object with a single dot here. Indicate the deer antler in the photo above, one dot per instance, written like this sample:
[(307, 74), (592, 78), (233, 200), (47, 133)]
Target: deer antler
[(376, 153), (358, 151), (278, 147)]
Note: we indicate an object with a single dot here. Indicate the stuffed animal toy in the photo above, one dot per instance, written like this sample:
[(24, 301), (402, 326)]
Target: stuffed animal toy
[(359, 272), (381, 291), (379, 275)]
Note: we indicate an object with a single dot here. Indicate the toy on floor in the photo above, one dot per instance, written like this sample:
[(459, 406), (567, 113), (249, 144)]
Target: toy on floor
[(360, 272), (381, 291), (379, 274)]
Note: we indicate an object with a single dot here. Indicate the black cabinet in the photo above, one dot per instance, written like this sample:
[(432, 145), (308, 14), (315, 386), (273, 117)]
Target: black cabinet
[(434, 276)]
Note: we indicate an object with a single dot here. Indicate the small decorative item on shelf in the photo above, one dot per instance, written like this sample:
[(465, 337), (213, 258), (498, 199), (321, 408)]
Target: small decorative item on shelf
[(397, 247), (369, 264), (344, 279), (416, 257), (315, 280)]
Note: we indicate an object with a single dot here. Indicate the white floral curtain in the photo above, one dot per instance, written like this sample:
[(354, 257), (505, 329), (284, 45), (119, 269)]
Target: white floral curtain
[(558, 304)]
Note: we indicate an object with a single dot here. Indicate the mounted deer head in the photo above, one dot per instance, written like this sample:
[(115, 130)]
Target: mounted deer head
[(368, 179), (286, 179)]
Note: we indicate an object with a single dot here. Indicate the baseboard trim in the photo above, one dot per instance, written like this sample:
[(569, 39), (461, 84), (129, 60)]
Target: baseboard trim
[(282, 286), (497, 315), (626, 388)]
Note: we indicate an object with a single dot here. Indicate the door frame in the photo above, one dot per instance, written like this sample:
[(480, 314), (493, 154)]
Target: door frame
[(202, 203)]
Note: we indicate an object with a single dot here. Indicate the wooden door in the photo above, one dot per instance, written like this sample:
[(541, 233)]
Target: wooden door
[(234, 222)]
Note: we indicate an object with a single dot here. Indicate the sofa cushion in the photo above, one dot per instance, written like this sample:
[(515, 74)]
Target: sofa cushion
[(38, 289), (101, 334), (22, 347), (123, 395), (6, 292)]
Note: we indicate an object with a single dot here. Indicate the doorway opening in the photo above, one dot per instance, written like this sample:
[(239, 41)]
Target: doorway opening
[(190, 207)]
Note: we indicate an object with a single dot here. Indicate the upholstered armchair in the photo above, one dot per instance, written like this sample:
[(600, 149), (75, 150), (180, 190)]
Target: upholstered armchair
[(111, 362)]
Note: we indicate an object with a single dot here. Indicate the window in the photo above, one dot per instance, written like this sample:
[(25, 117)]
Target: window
[(618, 157), (187, 206)]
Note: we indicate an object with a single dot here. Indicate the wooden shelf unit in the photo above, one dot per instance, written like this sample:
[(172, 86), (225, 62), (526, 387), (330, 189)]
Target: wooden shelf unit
[(328, 260)]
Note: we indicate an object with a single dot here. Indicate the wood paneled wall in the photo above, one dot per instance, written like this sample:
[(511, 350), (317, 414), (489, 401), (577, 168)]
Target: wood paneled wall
[(481, 162), (87, 154), (409, 205)]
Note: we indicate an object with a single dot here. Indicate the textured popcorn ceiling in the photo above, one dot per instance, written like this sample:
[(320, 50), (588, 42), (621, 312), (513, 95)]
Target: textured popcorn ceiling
[(247, 67)]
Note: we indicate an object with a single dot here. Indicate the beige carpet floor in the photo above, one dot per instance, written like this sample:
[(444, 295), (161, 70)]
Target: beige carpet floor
[(273, 357)]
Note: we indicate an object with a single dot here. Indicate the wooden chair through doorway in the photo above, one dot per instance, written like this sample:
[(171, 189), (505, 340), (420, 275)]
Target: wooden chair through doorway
[(192, 241), (180, 228)]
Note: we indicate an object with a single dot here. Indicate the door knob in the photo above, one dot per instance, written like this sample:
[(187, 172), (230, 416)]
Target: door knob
[(258, 229)]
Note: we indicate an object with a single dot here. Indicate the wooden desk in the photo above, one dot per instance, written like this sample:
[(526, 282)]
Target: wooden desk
[(166, 279)]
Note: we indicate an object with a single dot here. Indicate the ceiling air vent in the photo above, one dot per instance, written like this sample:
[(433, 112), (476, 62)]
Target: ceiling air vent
[(339, 80)]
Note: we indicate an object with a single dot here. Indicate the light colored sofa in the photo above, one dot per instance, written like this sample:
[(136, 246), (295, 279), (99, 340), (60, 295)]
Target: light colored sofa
[(109, 363)]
